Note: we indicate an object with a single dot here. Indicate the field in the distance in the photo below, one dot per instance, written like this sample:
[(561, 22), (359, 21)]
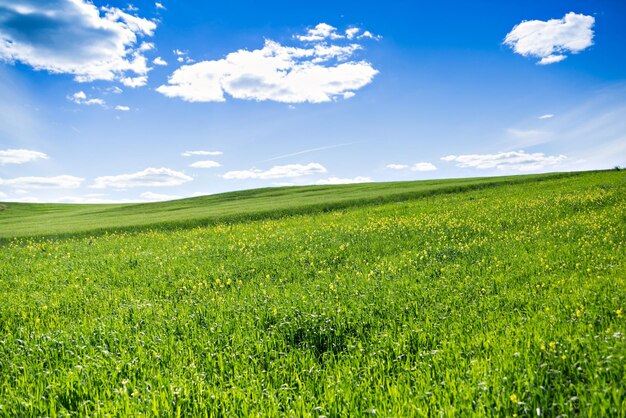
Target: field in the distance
[(487, 301), (26, 219)]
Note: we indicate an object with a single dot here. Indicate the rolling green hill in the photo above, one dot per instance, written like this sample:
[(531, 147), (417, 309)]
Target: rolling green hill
[(504, 298), (29, 219)]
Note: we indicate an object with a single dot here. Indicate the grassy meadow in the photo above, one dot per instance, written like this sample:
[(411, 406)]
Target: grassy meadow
[(444, 298)]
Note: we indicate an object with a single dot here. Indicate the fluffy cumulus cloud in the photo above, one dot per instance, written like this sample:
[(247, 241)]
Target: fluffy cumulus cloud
[(200, 153), (54, 182), (205, 164), (320, 70), (414, 167), (159, 61), (322, 32), (339, 180), (150, 177), (277, 172), (76, 37), (514, 160), (20, 156), (551, 41)]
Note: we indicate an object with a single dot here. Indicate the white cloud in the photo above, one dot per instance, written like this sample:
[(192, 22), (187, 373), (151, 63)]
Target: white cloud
[(552, 59), (20, 156), (513, 160), (277, 172), (320, 32), (338, 180), (159, 61), (150, 177), (134, 81), (158, 196), (122, 108), (192, 153), (414, 167), (81, 98), (159, 6), (352, 32), (369, 35), (546, 116), (2, 195), (552, 40), (60, 182), (205, 164), (316, 73), (397, 166), (74, 37), (423, 167)]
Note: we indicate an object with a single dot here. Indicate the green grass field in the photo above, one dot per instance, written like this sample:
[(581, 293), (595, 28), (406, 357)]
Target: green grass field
[(19, 219), (478, 297)]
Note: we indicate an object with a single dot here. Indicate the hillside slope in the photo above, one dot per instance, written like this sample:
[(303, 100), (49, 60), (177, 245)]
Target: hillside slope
[(30, 219)]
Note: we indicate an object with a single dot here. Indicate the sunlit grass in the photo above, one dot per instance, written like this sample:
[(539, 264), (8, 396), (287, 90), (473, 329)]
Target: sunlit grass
[(502, 301)]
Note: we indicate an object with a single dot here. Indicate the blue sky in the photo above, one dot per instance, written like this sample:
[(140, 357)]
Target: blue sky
[(118, 101)]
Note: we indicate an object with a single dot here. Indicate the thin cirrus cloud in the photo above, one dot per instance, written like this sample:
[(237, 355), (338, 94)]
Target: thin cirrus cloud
[(201, 153), (20, 156), (552, 40), (76, 37), (53, 182), (320, 71), (513, 160), (277, 172), (546, 116), (150, 177), (205, 164), (122, 108), (415, 167)]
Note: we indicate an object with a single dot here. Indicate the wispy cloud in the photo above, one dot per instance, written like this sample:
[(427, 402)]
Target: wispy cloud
[(201, 153), (54, 182), (205, 164), (339, 180), (20, 156), (514, 160), (551, 41), (277, 172), (150, 177), (546, 116), (306, 151), (423, 166)]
